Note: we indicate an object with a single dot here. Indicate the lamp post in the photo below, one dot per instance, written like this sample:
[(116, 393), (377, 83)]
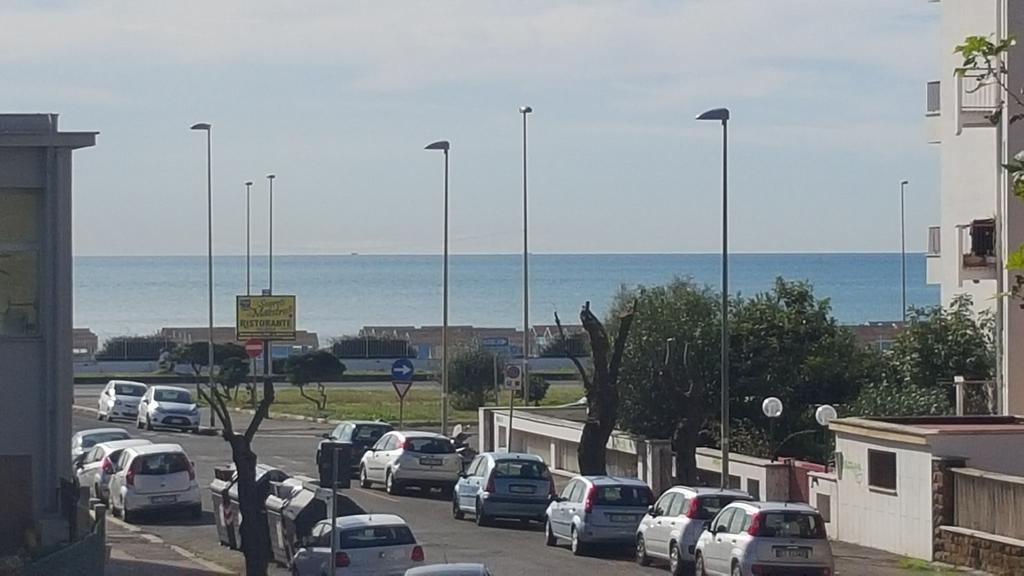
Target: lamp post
[(204, 126), (524, 110), (248, 249), (722, 115), (772, 408), (903, 249), (268, 353), (444, 145)]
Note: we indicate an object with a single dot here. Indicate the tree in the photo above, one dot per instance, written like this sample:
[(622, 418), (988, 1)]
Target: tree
[(232, 373), (601, 385), (576, 342), (536, 390), (471, 378), (317, 367)]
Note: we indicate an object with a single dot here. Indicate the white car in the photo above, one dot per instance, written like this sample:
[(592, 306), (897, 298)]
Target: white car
[(120, 399), (83, 441), (168, 407), (748, 538), (449, 570), (367, 545), (154, 477), (100, 463), (401, 459), (670, 529)]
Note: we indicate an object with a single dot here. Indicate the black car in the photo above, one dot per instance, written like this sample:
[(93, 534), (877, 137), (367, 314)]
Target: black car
[(362, 434)]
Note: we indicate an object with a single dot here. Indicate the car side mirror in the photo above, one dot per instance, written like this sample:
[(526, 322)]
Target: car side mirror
[(325, 435), (652, 511), (720, 528), (707, 526), (463, 474)]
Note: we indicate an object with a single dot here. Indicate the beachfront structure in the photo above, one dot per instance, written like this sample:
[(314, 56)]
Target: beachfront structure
[(84, 345), (979, 219), (35, 327), (304, 341), (427, 339)]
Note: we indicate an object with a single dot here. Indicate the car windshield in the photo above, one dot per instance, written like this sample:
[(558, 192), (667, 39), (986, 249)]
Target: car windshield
[(94, 439), (178, 396), (129, 390), (709, 506), (159, 464), (368, 434), (624, 496), (429, 445), (376, 536), (791, 525), (526, 469)]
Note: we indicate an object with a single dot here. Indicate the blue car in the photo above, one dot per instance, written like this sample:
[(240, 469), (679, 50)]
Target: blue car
[(504, 485)]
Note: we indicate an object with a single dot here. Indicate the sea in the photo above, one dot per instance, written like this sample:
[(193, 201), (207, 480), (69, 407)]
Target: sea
[(337, 295)]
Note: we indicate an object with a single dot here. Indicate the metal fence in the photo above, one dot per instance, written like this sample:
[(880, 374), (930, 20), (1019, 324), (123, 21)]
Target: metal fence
[(989, 502)]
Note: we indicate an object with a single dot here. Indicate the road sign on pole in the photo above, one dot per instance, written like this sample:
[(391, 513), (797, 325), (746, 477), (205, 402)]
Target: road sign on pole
[(513, 377), (253, 347), (402, 372), (401, 388)]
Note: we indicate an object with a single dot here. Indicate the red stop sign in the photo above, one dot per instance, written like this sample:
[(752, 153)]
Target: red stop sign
[(253, 347)]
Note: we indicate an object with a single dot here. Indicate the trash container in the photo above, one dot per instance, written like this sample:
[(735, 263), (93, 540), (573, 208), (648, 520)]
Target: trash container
[(264, 476), (223, 479), (326, 466), (293, 507), (282, 538)]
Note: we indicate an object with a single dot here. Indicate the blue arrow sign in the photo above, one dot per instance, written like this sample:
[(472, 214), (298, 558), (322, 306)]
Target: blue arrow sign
[(402, 370)]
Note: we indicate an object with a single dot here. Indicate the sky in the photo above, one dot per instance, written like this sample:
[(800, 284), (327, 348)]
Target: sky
[(339, 98)]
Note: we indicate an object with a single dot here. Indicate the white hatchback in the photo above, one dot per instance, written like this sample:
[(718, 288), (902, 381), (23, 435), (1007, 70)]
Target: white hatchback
[(367, 545), (748, 538), (401, 459), (154, 477), (168, 407), (120, 399), (100, 463)]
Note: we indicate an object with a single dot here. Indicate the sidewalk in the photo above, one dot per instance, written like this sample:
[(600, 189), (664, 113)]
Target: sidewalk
[(134, 552)]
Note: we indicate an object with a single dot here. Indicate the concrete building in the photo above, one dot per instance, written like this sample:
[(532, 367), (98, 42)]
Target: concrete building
[(427, 339), (979, 220), (84, 345), (35, 325), (304, 341)]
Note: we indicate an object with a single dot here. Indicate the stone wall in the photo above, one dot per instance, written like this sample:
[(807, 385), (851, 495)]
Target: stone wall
[(943, 494), (994, 554)]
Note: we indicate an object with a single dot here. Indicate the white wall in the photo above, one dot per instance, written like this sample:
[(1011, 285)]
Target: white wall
[(826, 485), (900, 523), (1002, 453)]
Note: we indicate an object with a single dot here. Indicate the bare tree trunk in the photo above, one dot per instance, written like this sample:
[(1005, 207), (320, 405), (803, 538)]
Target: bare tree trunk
[(322, 403), (302, 392)]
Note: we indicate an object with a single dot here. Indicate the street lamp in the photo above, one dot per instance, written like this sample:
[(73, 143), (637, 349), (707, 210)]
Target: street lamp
[(248, 250), (443, 145), (204, 126), (524, 110), (903, 249), (722, 115), (772, 408), (270, 242)]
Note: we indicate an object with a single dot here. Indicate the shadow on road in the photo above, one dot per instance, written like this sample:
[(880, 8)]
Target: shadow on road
[(120, 567)]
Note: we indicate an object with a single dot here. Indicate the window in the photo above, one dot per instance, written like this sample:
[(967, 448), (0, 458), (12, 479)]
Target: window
[(476, 467), (366, 434), (664, 504), (129, 390), (320, 536), (19, 262), (882, 470), (708, 506), (823, 503), (176, 396), (161, 464), (429, 445), (376, 536), (623, 496), (382, 443), (677, 506), (721, 522), (792, 525), (525, 469), (740, 522), (754, 488), (568, 491), (99, 437)]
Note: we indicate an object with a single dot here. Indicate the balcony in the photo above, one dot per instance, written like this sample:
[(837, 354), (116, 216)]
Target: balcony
[(977, 98), (933, 258), (976, 247), (933, 120)]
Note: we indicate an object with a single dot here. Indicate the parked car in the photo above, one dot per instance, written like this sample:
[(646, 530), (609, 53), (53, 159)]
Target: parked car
[(401, 459), (362, 434), (100, 463), (506, 485), (168, 407), (597, 509), (367, 544), (670, 529), (120, 399), (154, 477), (449, 570), (83, 441), (749, 538)]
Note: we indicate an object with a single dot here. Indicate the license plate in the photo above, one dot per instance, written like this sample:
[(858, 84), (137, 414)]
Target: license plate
[(430, 462), (163, 499), (792, 553), (622, 517), (522, 489)]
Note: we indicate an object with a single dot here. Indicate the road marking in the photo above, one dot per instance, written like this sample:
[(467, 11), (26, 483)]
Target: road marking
[(376, 495)]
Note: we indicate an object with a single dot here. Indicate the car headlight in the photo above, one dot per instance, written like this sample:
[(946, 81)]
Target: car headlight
[(194, 410)]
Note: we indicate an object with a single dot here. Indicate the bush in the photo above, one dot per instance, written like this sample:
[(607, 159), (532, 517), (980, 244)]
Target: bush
[(538, 389), (471, 379)]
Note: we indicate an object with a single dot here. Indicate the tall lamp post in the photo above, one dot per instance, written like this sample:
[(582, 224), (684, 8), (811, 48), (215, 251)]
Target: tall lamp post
[(524, 110), (444, 146), (268, 353), (204, 126), (903, 249), (722, 115), (248, 245)]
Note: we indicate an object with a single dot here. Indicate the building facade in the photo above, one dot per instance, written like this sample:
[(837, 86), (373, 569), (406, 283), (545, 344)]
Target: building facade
[(35, 326), (980, 221)]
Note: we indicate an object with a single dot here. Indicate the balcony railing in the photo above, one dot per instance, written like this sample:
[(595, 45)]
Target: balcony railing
[(977, 98), (934, 101), (934, 240)]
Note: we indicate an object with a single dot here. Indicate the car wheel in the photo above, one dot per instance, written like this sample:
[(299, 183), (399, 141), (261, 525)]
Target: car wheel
[(364, 480), (194, 430), (577, 547), (699, 568), (641, 552), (549, 535), (675, 563), (736, 570), (457, 512), (197, 511), (481, 517), (391, 486), (138, 424), (447, 491), (128, 516)]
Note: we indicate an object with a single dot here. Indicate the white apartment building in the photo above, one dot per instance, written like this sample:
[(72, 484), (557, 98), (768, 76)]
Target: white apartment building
[(979, 220)]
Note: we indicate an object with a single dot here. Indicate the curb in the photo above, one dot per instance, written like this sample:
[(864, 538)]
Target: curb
[(203, 430), (184, 553)]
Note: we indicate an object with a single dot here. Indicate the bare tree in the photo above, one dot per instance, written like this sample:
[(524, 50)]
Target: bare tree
[(601, 386)]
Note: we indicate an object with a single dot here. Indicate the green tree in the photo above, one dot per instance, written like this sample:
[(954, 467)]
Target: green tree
[(537, 389), (316, 367), (233, 372), (471, 378)]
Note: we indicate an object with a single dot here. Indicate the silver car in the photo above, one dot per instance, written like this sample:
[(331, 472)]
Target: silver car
[(460, 569), (100, 463), (120, 399), (401, 459), (748, 538), (168, 407), (83, 441), (597, 510), (673, 524), (505, 485)]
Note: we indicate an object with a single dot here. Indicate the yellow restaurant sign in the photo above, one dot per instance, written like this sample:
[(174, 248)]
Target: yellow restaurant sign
[(265, 317)]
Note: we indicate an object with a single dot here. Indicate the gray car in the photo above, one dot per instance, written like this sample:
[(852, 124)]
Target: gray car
[(597, 510), (449, 570), (506, 485)]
